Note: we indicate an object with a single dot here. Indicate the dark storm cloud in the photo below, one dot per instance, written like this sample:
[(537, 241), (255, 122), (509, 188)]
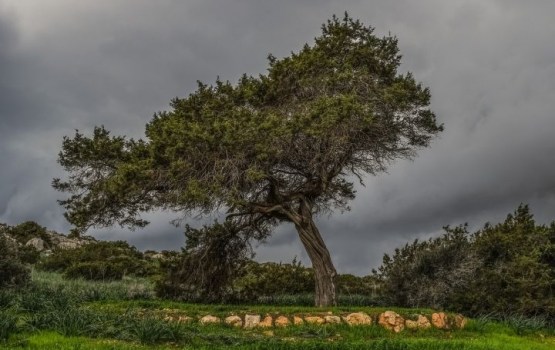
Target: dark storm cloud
[(489, 64)]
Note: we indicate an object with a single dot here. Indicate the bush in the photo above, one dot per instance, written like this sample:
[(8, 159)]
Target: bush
[(99, 261), (12, 271), (96, 271), (508, 268), (273, 279)]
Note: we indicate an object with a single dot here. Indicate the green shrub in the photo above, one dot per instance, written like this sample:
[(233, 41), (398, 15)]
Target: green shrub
[(99, 261), (507, 268), (8, 324), (97, 271), (12, 271), (272, 279)]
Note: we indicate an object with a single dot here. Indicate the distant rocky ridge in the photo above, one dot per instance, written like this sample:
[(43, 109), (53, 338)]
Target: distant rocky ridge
[(44, 241)]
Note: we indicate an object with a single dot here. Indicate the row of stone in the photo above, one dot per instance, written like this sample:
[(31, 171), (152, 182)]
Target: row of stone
[(389, 320)]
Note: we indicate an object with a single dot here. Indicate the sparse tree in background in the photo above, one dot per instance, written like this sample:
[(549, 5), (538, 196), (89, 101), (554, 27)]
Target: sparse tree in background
[(281, 147)]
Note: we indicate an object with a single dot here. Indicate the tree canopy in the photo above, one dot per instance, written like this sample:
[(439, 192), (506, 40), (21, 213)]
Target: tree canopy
[(282, 146)]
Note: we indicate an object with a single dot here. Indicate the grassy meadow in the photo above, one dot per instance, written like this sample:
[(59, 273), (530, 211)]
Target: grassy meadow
[(54, 313)]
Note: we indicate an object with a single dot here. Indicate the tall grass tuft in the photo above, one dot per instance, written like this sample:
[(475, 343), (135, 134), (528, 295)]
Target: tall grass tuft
[(151, 330), (8, 324)]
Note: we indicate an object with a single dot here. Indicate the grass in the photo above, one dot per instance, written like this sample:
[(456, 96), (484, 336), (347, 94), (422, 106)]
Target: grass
[(58, 314)]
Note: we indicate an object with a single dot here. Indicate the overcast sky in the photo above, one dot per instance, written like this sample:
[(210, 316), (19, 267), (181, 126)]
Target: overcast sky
[(490, 65)]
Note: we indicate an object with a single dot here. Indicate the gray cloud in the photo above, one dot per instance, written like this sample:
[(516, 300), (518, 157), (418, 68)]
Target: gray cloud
[(490, 67)]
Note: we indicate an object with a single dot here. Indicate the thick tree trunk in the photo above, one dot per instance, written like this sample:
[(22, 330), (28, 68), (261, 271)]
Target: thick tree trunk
[(324, 271)]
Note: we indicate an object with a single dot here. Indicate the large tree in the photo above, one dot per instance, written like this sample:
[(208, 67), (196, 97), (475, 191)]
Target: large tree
[(281, 147)]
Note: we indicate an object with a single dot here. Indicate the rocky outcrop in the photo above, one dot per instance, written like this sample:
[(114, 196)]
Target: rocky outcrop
[(332, 319), (439, 320), (209, 319), (358, 318), (38, 243), (266, 322), (281, 321), (252, 321), (392, 321), (234, 321), (297, 321), (460, 321)]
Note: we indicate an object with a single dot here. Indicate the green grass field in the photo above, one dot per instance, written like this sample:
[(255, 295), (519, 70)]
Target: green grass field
[(60, 314)]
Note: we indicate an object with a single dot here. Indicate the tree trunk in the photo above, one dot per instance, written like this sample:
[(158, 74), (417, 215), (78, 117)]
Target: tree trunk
[(324, 271)]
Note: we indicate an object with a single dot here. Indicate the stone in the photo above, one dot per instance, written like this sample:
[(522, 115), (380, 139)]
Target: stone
[(281, 321), (209, 319), (36, 243), (439, 320), (234, 321), (460, 321), (314, 320), (297, 321), (184, 319), (392, 321), (252, 321), (266, 322), (423, 322), (332, 319), (358, 318)]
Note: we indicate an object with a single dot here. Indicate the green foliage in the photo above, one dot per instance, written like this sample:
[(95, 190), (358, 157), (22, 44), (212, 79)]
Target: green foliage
[(213, 257), (13, 272), (515, 267), (99, 260), (8, 324), (271, 279), (504, 269)]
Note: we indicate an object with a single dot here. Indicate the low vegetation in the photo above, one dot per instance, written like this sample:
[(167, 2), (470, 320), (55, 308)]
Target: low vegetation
[(109, 295), (56, 313)]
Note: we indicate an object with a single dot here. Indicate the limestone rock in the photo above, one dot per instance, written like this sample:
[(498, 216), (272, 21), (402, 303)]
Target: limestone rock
[(184, 319), (297, 321), (439, 320), (460, 321), (314, 320), (234, 321), (392, 321), (38, 243), (252, 321), (209, 319), (423, 322), (358, 318), (411, 324), (266, 322), (281, 321), (332, 319)]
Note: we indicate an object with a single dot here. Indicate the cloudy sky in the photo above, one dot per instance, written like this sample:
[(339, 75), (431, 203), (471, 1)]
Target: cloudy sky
[(490, 65)]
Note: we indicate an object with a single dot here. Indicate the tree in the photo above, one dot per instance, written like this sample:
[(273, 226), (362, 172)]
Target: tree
[(281, 147)]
